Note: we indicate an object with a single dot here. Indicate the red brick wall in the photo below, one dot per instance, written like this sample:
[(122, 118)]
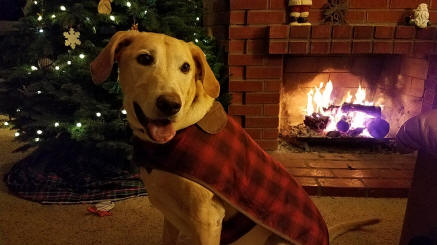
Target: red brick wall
[(256, 75)]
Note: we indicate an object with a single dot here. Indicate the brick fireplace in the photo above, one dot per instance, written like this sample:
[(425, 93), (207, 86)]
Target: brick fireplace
[(266, 56), (265, 52)]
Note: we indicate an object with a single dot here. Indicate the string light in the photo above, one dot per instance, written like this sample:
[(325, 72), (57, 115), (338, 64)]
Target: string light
[(6, 123), (98, 114), (56, 124), (53, 16), (35, 2), (112, 17), (17, 134), (39, 131), (128, 4), (18, 110), (33, 68), (57, 68), (124, 112), (82, 56), (69, 62), (39, 18), (63, 8), (196, 40), (39, 92), (41, 30), (78, 124), (145, 11), (36, 139), (197, 18)]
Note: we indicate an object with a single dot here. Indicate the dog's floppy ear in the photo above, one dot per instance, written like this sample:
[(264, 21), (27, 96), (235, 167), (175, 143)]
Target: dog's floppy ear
[(101, 67), (210, 84)]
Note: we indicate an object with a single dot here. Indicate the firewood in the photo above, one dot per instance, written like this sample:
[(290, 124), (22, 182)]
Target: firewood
[(343, 125), (355, 132), (368, 109), (377, 127), (316, 121)]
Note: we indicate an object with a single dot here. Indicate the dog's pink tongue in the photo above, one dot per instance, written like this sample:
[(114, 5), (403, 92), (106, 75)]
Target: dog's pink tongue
[(161, 131)]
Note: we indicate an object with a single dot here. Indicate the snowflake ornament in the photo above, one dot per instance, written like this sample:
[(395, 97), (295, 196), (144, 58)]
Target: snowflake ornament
[(72, 38)]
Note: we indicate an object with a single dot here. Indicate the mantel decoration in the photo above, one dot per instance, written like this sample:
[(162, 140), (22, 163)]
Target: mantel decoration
[(299, 11), (335, 12), (420, 16)]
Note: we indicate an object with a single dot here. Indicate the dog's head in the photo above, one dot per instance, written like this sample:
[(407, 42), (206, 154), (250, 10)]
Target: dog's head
[(167, 83)]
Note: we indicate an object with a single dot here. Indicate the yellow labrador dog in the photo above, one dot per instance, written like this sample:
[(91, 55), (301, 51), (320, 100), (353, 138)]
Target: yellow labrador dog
[(168, 86)]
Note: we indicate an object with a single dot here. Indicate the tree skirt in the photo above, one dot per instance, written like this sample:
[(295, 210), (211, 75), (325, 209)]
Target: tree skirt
[(64, 182)]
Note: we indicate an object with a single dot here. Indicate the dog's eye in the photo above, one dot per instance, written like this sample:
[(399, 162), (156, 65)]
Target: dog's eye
[(145, 59), (185, 68)]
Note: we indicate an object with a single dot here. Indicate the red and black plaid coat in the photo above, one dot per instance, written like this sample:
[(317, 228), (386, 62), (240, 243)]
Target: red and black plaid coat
[(233, 166)]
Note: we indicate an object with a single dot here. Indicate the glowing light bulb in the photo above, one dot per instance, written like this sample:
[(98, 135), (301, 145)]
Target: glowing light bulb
[(112, 17), (33, 68), (53, 16), (17, 134), (41, 30), (39, 92), (57, 68), (35, 2), (78, 124), (39, 18), (63, 8), (69, 62), (197, 18), (18, 110), (6, 123), (98, 114), (36, 139), (56, 124), (128, 4), (39, 131), (124, 112), (145, 12), (82, 56)]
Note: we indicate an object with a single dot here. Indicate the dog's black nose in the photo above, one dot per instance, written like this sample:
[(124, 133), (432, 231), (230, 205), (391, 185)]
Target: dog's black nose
[(168, 104)]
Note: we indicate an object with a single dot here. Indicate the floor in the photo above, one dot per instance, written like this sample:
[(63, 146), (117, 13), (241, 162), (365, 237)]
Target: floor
[(361, 175), (136, 222)]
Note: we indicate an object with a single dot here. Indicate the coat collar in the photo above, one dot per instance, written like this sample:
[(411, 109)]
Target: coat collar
[(214, 120)]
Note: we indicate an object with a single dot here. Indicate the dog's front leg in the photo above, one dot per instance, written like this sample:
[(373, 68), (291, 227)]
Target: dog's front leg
[(207, 222), (170, 233)]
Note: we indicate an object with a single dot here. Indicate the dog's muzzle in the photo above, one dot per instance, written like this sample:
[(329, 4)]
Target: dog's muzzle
[(159, 130)]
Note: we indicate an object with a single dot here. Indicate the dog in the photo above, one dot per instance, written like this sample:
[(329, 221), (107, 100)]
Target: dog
[(168, 89)]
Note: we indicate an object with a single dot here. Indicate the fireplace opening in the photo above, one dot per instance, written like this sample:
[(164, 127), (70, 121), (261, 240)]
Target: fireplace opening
[(347, 102)]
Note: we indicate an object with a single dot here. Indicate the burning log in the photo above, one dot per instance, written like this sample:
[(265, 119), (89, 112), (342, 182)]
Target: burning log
[(343, 125), (368, 109), (377, 127), (355, 132), (316, 121)]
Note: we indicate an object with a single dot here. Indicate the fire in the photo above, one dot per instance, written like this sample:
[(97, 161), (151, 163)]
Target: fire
[(349, 116)]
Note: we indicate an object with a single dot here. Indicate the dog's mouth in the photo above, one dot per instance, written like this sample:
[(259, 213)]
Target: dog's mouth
[(159, 130)]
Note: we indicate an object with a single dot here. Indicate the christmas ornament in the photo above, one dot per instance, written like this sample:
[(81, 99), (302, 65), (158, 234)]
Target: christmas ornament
[(72, 38), (45, 63), (134, 27), (104, 7), (335, 12), (299, 11), (421, 16)]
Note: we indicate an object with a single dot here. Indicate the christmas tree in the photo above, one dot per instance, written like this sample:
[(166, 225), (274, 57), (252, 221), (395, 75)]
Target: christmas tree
[(47, 90)]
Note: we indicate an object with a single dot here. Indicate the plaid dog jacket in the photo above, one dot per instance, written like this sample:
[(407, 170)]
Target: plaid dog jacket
[(232, 165)]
